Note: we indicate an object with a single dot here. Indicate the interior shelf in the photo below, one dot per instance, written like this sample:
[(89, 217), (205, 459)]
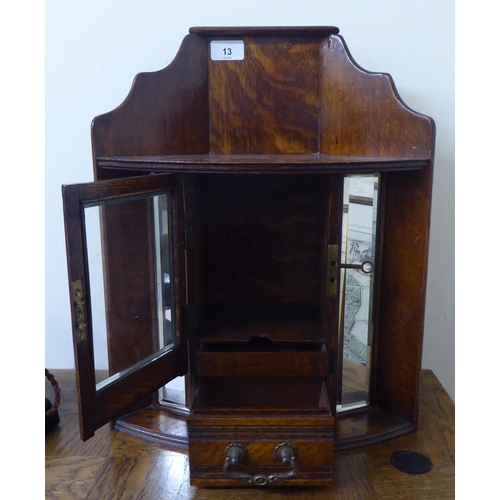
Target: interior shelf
[(256, 163), (277, 322), (262, 358), (254, 394)]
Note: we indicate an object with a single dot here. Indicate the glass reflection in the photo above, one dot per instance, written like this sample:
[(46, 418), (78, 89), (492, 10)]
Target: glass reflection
[(96, 277), (164, 289), (127, 319), (174, 393), (356, 286)]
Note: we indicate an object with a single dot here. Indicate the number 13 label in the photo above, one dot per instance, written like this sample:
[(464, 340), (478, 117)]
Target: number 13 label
[(227, 50)]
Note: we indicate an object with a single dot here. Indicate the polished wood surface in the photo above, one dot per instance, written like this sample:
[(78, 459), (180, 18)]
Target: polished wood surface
[(224, 31), (166, 112), (114, 465), (250, 251), (261, 164), (267, 103), (362, 113)]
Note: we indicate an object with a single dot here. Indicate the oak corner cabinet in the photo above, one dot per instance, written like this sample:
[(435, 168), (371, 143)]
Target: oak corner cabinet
[(247, 273)]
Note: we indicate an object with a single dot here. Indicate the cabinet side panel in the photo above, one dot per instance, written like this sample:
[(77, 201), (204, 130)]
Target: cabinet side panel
[(403, 287), (166, 112), (267, 103), (362, 114)]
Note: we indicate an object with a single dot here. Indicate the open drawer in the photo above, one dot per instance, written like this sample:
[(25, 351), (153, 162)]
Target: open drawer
[(260, 359), (252, 431)]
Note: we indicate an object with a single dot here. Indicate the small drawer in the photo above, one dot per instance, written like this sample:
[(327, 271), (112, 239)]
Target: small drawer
[(280, 362), (273, 462), (238, 426)]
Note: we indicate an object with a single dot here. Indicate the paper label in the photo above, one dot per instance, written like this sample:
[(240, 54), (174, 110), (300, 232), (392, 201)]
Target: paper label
[(227, 50)]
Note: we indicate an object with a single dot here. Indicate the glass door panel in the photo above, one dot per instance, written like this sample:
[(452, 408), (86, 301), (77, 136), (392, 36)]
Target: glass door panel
[(129, 322), (96, 279), (126, 271), (356, 288)]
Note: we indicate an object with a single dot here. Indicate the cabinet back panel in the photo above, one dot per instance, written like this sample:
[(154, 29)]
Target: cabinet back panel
[(296, 323), (267, 103), (262, 238)]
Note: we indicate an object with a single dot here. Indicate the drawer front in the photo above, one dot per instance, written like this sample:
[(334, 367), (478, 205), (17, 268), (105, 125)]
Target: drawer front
[(260, 463), (307, 438), (263, 364), (287, 438)]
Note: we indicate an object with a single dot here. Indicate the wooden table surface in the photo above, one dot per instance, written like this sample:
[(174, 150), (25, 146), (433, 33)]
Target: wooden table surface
[(114, 465)]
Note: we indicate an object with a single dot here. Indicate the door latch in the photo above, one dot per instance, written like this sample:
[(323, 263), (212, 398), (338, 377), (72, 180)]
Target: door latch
[(333, 269)]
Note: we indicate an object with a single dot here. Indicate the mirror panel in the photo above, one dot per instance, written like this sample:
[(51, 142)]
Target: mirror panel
[(356, 288)]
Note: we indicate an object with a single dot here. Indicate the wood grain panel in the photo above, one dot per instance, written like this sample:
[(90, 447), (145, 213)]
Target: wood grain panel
[(276, 322), (258, 393), (166, 112), (260, 163), (263, 364), (206, 453), (362, 113), (268, 103), (263, 237), (402, 292)]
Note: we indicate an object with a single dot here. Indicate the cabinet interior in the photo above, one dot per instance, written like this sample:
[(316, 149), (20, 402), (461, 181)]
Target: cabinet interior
[(259, 250)]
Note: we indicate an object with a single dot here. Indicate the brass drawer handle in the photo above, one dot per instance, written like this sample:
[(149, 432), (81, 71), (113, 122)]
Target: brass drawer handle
[(236, 453), (286, 453)]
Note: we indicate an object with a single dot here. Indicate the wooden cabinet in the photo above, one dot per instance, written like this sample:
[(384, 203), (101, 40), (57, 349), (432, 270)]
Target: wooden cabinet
[(261, 218)]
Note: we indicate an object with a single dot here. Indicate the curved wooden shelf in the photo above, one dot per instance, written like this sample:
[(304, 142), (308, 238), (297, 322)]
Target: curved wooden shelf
[(269, 164), (356, 429)]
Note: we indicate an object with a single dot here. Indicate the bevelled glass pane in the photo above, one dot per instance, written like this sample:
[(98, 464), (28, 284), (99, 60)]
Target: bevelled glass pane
[(164, 280), (356, 285), (131, 290), (96, 277)]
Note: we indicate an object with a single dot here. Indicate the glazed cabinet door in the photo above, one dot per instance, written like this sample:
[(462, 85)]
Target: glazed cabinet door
[(127, 292)]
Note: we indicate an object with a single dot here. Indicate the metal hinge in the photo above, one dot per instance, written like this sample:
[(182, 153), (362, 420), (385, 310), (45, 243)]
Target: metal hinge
[(78, 302)]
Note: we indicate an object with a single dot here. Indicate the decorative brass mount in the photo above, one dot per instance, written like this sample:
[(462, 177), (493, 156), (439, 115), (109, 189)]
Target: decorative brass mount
[(79, 310)]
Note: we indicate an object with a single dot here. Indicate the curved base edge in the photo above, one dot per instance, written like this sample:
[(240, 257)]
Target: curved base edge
[(158, 425), (368, 427)]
